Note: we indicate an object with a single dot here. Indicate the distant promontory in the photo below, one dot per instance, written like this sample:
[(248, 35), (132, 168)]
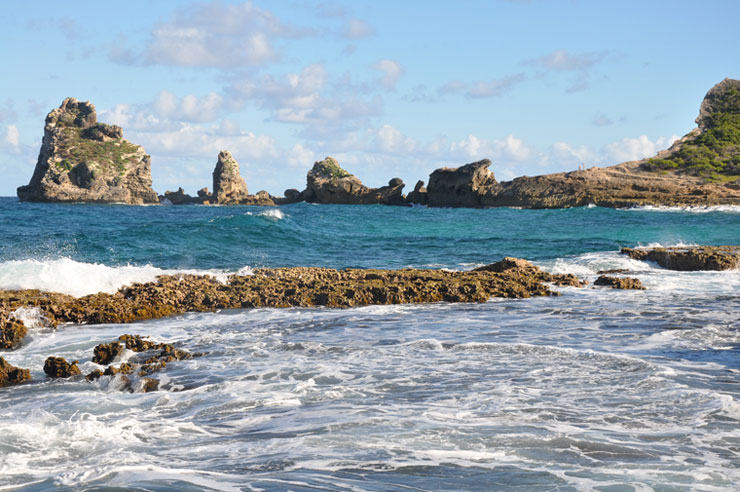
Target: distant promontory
[(82, 160)]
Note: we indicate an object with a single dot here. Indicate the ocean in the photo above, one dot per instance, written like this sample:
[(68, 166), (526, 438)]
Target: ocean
[(595, 389)]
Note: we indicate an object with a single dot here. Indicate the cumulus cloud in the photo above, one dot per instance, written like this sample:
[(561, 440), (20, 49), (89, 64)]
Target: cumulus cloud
[(569, 155), (564, 61), (389, 140), (214, 34), (483, 89), (632, 149), (392, 71), (189, 108), (508, 149)]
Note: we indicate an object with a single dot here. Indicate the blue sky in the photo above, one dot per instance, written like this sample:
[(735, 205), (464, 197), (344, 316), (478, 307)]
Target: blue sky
[(389, 88)]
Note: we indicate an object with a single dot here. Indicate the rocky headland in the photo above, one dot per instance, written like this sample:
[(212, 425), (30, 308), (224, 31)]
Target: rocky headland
[(82, 160)]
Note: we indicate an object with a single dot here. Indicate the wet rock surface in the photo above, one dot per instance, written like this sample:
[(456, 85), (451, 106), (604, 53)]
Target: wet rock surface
[(12, 331), (58, 367), (619, 282), (689, 259), (82, 160), (290, 287), (9, 374)]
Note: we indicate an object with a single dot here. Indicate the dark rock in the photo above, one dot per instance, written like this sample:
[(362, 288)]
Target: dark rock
[(147, 385), (419, 195), (10, 374), (722, 98), (58, 367), (179, 197), (123, 368), (465, 186), (228, 185), (82, 160), (619, 282), (12, 331), (689, 259), (105, 353), (94, 375), (613, 270)]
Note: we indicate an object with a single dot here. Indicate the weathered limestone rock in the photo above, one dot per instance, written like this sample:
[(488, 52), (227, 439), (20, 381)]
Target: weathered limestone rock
[(105, 353), (58, 367), (327, 182), (229, 187), (82, 160), (465, 186), (419, 195), (10, 374), (689, 259), (619, 282), (722, 98), (179, 197)]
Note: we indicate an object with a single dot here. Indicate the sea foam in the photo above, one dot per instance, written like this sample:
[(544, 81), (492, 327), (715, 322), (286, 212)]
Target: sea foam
[(67, 276)]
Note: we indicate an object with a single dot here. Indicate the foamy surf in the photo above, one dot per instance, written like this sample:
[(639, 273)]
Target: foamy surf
[(702, 209), (68, 276)]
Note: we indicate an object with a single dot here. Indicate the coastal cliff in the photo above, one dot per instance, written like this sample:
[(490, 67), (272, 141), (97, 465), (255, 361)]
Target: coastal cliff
[(82, 160), (702, 168)]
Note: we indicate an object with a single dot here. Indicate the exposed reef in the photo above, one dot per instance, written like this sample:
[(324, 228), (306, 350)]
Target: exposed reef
[(689, 259), (10, 374), (82, 160), (288, 287)]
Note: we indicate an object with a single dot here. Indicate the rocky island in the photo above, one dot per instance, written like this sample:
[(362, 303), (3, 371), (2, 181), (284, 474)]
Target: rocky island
[(82, 160)]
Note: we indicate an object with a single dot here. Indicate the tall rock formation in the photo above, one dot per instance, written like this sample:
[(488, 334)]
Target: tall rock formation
[(82, 160), (327, 182), (465, 186), (229, 187)]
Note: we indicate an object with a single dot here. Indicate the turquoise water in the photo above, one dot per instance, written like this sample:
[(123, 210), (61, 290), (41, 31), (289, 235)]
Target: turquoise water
[(595, 389), (336, 236)]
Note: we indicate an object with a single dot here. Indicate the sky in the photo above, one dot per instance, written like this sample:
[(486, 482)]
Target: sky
[(388, 88)]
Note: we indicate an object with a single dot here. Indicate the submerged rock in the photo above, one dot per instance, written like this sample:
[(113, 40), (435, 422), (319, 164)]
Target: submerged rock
[(10, 374), (689, 259), (58, 367), (82, 160), (619, 282), (327, 182)]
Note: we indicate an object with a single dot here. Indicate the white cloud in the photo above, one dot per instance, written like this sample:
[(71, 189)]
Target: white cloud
[(392, 71), (214, 34), (391, 141), (189, 108), (632, 149), (510, 149), (566, 154), (602, 120), (12, 140)]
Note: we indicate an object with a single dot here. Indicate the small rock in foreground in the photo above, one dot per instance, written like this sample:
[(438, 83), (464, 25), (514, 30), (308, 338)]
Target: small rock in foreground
[(10, 374), (619, 282), (58, 367)]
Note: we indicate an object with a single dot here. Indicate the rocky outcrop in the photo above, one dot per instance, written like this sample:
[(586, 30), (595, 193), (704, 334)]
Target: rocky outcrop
[(12, 331), (229, 187), (327, 182), (466, 186), (619, 282), (419, 195), (82, 160), (689, 259), (10, 374), (58, 367)]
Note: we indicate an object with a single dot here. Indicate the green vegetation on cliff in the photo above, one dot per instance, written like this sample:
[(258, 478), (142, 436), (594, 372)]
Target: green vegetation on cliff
[(715, 152), (329, 168), (110, 155)]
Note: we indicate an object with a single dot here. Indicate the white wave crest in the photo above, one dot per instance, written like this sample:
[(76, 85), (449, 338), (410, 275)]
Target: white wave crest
[(270, 213), (696, 209), (67, 276)]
